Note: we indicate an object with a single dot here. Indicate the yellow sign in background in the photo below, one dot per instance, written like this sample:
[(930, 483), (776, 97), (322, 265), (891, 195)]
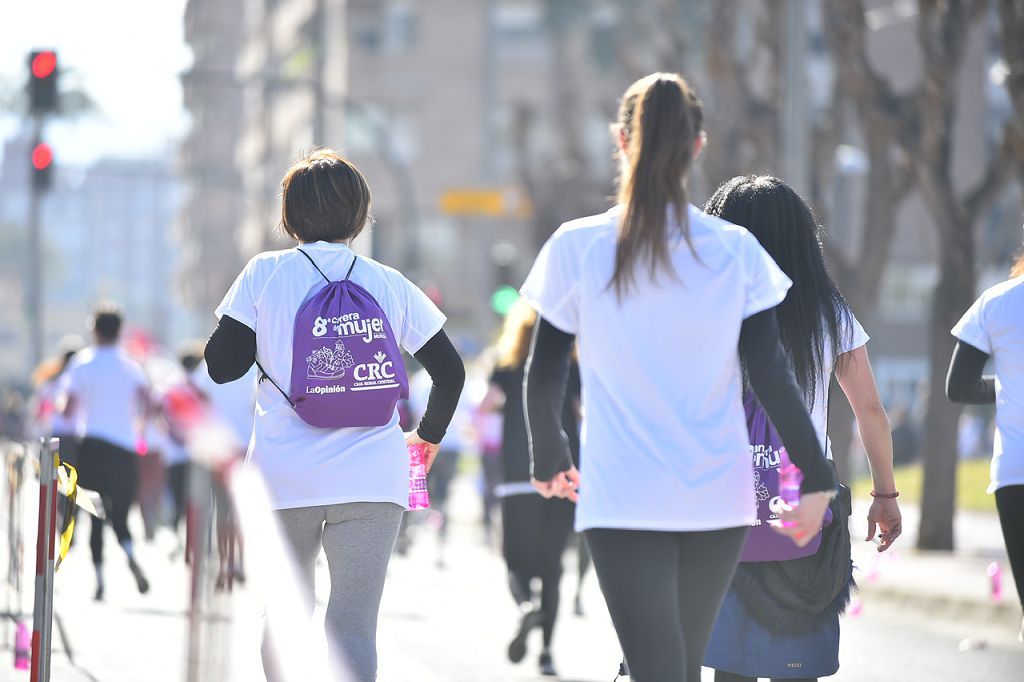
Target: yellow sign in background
[(490, 202)]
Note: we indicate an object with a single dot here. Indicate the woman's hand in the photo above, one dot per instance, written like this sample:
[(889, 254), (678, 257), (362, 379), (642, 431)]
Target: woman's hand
[(885, 514), (565, 484), (430, 450), (803, 522)]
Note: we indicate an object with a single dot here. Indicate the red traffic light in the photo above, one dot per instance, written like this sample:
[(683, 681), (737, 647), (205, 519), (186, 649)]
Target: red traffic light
[(44, 64), (42, 156)]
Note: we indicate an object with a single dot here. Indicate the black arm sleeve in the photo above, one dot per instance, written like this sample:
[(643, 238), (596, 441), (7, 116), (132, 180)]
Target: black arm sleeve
[(964, 383), (447, 375), (230, 351), (772, 379), (547, 373)]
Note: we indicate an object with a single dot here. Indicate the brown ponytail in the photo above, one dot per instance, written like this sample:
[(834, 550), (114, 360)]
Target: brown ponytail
[(1018, 267), (661, 118)]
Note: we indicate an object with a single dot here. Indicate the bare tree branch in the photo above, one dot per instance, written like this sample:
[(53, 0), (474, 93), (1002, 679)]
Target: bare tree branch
[(997, 174), (976, 10)]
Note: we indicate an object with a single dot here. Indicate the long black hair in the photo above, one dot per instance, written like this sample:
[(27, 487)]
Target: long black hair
[(814, 313)]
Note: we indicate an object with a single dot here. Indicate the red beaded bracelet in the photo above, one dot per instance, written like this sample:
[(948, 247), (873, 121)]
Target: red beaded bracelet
[(886, 496)]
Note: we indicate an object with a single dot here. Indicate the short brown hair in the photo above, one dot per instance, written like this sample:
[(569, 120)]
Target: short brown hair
[(324, 197)]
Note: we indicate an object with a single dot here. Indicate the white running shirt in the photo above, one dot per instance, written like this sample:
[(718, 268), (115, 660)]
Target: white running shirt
[(995, 325), (305, 466), (105, 384), (853, 339), (664, 441)]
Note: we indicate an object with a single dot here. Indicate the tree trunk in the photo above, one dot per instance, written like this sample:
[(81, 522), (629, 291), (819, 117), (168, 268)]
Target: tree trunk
[(953, 295)]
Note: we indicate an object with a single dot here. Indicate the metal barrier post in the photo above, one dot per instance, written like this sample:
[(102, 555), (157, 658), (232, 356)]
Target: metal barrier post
[(42, 612), (14, 459)]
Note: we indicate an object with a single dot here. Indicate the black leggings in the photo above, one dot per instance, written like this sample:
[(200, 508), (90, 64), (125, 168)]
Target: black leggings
[(663, 591), (177, 482), (113, 472), (1010, 503), (535, 534)]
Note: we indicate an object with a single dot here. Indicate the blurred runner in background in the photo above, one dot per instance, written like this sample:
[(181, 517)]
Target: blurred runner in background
[(535, 531), (235, 403), (47, 420), (107, 392)]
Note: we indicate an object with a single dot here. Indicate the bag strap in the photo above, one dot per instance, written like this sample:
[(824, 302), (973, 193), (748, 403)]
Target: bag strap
[(326, 278), (271, 380), (313, 263)]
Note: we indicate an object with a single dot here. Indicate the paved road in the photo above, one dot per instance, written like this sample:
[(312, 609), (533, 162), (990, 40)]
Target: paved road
[(451, 625)]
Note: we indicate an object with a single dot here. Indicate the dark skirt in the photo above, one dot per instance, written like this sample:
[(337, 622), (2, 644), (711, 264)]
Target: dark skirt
[(742, 646)]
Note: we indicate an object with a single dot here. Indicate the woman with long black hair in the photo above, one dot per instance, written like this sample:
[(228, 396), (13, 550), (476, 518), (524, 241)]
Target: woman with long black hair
[(781, 618), (662, 298)]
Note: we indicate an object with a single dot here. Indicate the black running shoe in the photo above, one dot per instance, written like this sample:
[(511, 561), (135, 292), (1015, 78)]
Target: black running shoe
[(547, 665), (517, 647)]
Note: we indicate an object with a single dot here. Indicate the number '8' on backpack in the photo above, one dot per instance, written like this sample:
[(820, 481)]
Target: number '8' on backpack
[(347, 369)]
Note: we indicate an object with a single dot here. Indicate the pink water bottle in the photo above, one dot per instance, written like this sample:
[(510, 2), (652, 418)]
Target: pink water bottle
[(789, 480), (22, 647), (418, 496), (995, 576)]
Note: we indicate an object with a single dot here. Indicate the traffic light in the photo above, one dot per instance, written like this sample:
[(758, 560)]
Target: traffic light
[(42, 167), (42, 81), (503, 299)]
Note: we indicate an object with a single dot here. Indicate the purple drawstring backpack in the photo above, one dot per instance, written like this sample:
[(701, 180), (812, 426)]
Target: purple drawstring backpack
[(763, 543), (347, 369)]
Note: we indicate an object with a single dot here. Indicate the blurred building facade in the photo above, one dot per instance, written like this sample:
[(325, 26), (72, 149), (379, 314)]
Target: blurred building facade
[(105, 234), (448, 109), (213, 208)]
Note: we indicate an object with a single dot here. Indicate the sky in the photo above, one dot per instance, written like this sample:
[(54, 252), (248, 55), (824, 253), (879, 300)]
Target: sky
[(127, 54)]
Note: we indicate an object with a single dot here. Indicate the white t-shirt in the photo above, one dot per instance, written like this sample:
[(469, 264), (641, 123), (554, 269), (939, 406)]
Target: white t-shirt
[(105, 384), (995, 325), (852, 340), (303, 465), (664, 441), (234, 402)]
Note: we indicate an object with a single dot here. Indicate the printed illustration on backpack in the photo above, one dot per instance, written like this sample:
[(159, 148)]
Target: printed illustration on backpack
[(327, 364), (760, 489)]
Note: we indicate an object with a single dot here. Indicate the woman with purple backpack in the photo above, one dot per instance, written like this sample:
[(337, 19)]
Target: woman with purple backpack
[(664, 299), (324, 326), (780, 618)]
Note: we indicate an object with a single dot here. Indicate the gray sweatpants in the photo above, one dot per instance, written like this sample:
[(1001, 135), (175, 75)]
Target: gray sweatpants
[(358, 538)]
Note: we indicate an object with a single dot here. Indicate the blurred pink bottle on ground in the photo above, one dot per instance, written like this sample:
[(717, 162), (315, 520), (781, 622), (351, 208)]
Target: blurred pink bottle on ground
[(995, 575), (418, 496), (22, 647)]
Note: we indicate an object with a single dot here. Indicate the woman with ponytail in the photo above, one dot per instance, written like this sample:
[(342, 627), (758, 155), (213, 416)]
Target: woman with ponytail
[(664, 299)]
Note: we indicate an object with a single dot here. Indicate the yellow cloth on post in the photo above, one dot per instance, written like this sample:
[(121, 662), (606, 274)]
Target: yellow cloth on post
[(69, 483)]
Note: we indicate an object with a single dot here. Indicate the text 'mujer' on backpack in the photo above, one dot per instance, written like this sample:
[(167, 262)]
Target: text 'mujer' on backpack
[(347, 369)]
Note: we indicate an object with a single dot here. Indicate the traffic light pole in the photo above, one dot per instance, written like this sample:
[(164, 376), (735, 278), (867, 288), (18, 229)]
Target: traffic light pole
[(34, 290)]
